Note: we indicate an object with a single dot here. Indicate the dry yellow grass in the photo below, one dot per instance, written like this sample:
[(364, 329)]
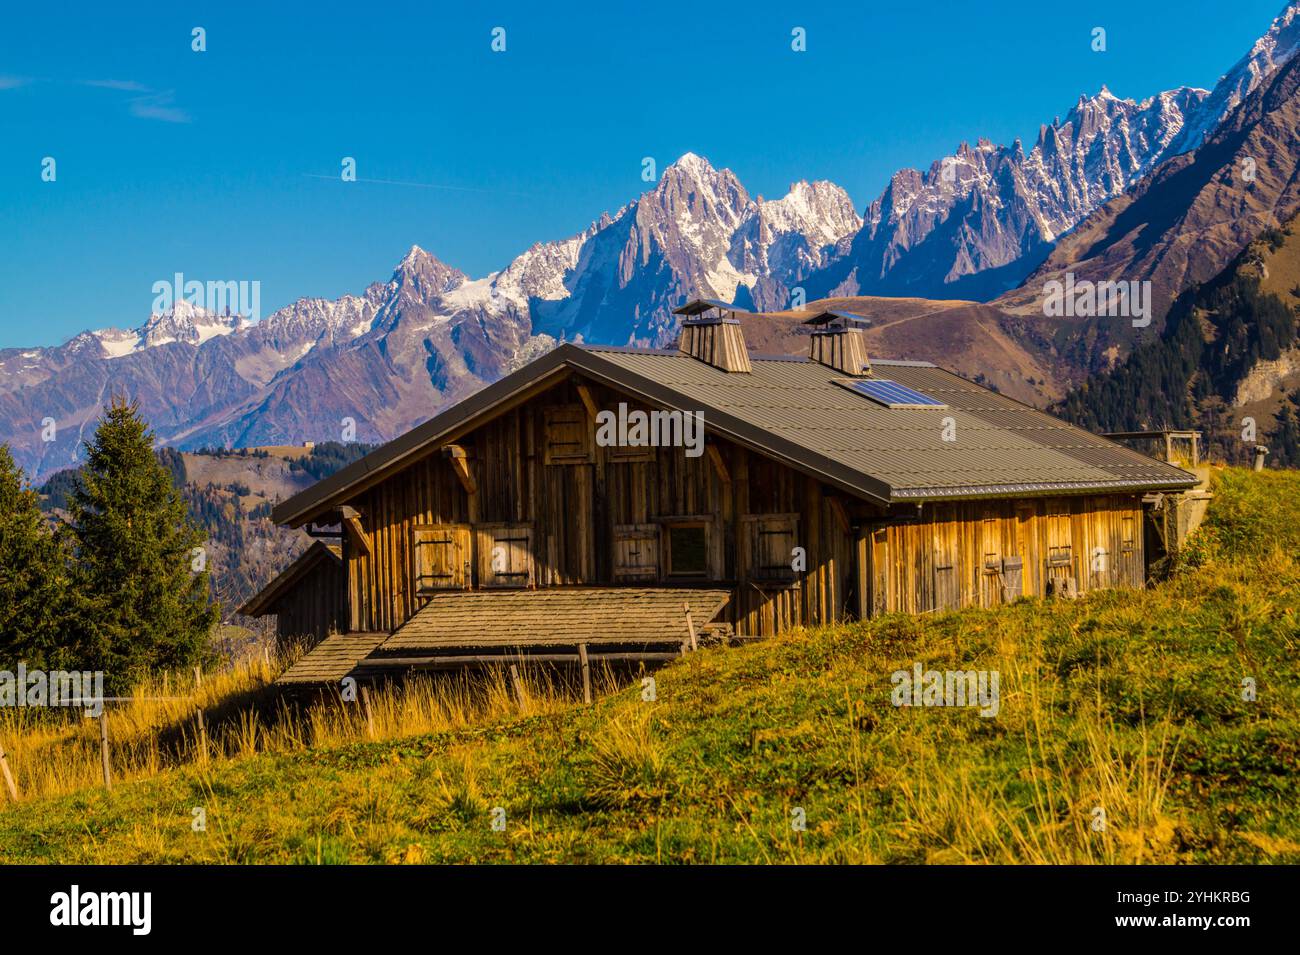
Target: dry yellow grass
[(55, 751)]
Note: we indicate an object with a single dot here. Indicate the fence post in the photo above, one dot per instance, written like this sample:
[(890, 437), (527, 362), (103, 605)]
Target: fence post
[(518, 686), (198, 677), (586, 672), (370, 717), (9, 777), (203, 735), (103, 747)]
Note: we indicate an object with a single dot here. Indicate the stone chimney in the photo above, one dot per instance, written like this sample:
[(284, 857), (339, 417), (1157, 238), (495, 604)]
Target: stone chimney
[(711, 333), (839, 342)]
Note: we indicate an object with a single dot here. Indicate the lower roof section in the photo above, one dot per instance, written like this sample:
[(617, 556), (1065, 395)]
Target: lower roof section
[(332, 659), (452, 624), (556, 616)]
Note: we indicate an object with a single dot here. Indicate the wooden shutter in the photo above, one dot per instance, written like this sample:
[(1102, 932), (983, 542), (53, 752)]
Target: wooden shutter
[(1060, 551), (636, 552), (442, 557), (990, 561), (770, 540), (568, 435), (505, 555), (629, 454)]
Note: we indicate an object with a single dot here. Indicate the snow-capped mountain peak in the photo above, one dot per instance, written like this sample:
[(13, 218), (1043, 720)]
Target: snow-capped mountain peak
[(183, 322)]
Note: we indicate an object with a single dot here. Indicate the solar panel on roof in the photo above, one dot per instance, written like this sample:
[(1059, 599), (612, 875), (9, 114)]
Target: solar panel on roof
[(891, 394)]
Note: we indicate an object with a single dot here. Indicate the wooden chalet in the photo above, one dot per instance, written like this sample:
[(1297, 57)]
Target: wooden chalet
[(627, 502)]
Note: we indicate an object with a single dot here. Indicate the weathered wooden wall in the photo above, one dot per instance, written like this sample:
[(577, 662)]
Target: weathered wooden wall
[(953, 555), (314, 606), (575, 508)]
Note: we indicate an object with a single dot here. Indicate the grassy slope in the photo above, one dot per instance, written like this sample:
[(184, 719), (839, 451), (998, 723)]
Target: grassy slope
[(1128, 701)]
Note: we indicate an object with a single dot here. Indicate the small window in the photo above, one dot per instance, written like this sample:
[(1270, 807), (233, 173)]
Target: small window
[(770, 540), (1128, 543), (688, 549)]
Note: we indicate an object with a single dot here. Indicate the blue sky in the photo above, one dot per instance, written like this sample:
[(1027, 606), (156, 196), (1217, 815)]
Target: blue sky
[(224, 164)]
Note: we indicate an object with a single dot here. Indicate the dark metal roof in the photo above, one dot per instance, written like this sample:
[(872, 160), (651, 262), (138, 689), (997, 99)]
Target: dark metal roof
[(792, 410)]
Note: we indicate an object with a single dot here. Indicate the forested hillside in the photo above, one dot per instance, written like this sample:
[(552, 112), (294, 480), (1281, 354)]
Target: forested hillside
[(1226, 358)]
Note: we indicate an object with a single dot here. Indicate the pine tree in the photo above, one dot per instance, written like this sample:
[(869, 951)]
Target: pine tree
[(140, 602), (33, 578), (1284, 442)]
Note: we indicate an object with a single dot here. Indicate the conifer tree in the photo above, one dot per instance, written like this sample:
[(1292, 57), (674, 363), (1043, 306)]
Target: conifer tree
[(33, 578), (141, 587)]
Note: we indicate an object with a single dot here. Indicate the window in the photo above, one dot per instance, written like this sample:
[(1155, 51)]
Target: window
[(442, 557), (687, 548), (636, 552), (769, 541), (568, 435), (1128, 543), (505, 555)]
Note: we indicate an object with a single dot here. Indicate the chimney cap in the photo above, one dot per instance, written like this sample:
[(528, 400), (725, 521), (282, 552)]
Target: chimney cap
[(833, 315), (701, 305)]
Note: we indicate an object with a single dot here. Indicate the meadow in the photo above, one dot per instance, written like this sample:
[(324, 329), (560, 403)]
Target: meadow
[(1152, 726)]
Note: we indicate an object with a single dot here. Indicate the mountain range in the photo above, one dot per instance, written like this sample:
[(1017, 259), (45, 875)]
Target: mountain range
[(1139, 188)]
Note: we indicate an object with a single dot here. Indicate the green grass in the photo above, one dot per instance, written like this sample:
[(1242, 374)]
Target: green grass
[(1127, 701)]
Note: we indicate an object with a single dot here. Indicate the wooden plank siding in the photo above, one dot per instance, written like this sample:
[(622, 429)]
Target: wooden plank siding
[(589, 512), (312, 608), (953, 555)]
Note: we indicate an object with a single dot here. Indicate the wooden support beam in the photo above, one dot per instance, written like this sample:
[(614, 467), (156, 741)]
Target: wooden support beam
[(841, 513), (460, 463), (432, 662), (719, 465), (351, 519), (586, 673), (690, 627), (588, 402)]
